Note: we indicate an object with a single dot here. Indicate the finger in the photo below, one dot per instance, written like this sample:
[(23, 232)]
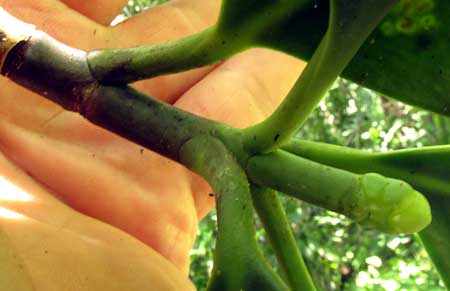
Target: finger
[(101, 11), (169, 21), (96, 155), (241, 92), (245, 89), (63, 24), (43, 256), (162, 23), (39, 235), (112, 180), (166, 22), (83, 33), (59, 21)]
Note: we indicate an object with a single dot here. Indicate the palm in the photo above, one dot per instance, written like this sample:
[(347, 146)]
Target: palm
[(97, 173)]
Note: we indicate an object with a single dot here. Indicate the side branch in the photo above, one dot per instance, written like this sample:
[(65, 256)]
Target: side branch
[(425, 168), (122, 66), (62, 74), (350, 24), (273, 217), (386, 204), (238, 261)]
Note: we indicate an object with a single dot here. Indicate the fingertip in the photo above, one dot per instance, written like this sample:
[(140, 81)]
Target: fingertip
[(244, 89), (101, 11)]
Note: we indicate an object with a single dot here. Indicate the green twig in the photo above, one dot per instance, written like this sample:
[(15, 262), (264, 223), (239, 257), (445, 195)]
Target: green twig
[(120, 66), (238, 261), (386, 204), (273, 217), (239, 26), (425, 168), (61, 74), (350, 24)]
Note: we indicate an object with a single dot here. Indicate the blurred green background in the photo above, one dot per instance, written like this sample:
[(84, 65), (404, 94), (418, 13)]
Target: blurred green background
[(340, 254)]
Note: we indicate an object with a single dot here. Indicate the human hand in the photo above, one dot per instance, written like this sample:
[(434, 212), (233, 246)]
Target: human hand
[(104, 176)]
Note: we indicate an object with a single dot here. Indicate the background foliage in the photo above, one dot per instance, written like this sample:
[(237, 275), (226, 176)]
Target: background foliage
[(340, 254)]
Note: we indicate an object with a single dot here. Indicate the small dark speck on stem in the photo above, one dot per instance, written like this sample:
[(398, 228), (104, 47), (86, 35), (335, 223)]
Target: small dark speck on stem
[(277, 136)]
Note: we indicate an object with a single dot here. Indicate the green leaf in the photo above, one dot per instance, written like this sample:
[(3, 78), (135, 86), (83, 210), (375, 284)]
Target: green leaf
[(251, 18), (406, 57), (436, 237)]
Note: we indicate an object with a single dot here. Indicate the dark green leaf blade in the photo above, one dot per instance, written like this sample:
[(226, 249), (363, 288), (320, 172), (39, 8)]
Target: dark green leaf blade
[(407, 57)]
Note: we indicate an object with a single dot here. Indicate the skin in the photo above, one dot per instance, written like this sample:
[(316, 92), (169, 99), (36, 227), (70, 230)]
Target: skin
[(119, 204)]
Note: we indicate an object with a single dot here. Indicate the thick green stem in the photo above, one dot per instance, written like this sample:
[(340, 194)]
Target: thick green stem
[(61, 74), (51, 69), (239, 25), (119, 66), (146, 121), (350, 24), (386, 204), (238, 262), (273, 217), (425, 168)]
